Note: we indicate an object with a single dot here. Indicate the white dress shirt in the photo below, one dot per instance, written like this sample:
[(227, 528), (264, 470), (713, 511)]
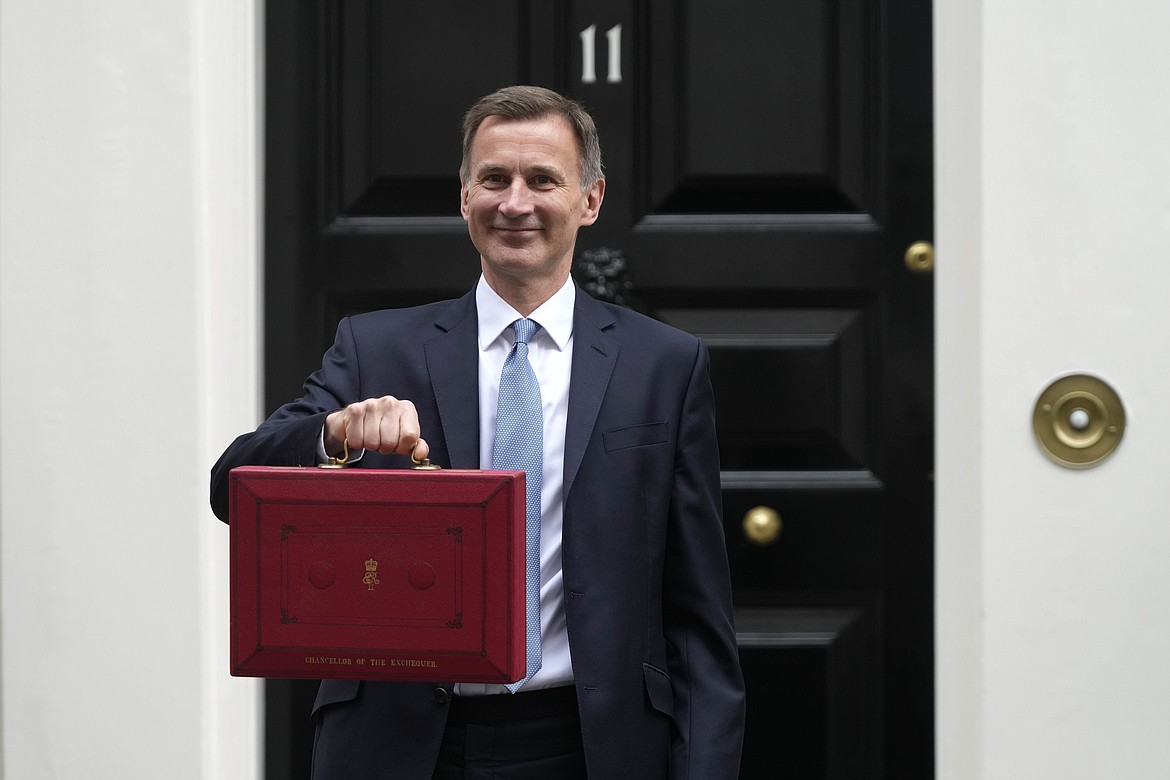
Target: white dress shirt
[(550, 351)]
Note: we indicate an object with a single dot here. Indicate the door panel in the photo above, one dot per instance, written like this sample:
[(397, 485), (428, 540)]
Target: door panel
[(812, 694), (803, 405), (761, 108), (767, 164)]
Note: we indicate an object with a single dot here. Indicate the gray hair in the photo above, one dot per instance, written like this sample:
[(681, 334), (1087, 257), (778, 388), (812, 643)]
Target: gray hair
[(526, 103)]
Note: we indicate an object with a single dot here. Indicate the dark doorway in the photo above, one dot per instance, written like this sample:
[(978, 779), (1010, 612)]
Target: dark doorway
[(768, 165)]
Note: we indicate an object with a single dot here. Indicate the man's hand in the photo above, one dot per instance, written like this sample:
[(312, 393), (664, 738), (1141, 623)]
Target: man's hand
[(387, 425)]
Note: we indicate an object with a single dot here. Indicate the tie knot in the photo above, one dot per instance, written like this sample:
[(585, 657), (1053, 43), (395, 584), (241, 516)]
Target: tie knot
[(524, 330)]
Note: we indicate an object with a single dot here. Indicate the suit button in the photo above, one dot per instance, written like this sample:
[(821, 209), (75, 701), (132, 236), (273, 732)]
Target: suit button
[(441, 695)]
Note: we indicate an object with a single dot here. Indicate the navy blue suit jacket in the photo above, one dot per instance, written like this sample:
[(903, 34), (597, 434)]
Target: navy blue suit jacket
[(647, 590)]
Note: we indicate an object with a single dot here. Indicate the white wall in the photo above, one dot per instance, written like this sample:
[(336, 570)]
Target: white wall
[(128, 332), (1053, 239)]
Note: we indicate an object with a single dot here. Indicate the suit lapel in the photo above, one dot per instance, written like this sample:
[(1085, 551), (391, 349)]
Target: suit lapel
[(594, 356), (453, 364)]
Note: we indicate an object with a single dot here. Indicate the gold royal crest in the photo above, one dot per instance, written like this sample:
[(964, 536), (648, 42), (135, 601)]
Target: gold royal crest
[(371, 578)]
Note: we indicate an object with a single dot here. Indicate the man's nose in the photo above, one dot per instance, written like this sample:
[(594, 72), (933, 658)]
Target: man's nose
[(517, 200)]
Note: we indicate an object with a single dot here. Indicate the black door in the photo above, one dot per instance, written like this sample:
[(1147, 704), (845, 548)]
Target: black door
[(768, 164)]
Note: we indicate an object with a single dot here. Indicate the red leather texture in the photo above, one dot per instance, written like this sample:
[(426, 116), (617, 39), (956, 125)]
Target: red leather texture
[(376, 574)]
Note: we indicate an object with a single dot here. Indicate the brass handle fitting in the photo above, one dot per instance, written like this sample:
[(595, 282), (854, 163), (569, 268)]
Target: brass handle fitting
[(762, 526)]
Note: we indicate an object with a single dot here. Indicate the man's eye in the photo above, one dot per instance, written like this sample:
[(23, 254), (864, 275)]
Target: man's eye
[(543, 181)]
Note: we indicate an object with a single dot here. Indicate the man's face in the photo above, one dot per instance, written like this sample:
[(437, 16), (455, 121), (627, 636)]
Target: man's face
[(523, 201)]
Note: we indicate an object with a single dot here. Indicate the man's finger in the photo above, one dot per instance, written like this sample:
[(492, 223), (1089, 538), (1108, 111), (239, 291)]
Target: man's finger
[(406, 425)]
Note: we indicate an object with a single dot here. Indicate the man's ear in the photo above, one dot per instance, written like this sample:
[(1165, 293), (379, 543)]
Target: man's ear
[(594, 196), (463, 199)]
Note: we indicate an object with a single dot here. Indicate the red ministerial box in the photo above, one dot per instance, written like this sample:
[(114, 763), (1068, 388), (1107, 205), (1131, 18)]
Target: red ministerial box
[(375, 574)]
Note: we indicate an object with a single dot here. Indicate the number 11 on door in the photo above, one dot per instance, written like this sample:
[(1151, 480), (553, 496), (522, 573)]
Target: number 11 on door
[(589, 54)]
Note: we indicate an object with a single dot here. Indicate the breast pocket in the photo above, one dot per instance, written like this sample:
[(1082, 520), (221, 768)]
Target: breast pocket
[(637, 436)]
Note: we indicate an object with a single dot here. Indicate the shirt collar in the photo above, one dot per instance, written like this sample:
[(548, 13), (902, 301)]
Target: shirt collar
[(554, 315)]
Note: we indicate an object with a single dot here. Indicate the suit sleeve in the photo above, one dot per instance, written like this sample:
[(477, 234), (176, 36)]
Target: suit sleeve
[(290, 436), (702, 652)]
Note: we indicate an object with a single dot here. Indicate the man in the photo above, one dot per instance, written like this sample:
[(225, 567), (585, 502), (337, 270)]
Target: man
[(637, 674)]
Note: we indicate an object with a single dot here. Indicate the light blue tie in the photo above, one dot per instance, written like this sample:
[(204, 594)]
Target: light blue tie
[(520, 446)]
